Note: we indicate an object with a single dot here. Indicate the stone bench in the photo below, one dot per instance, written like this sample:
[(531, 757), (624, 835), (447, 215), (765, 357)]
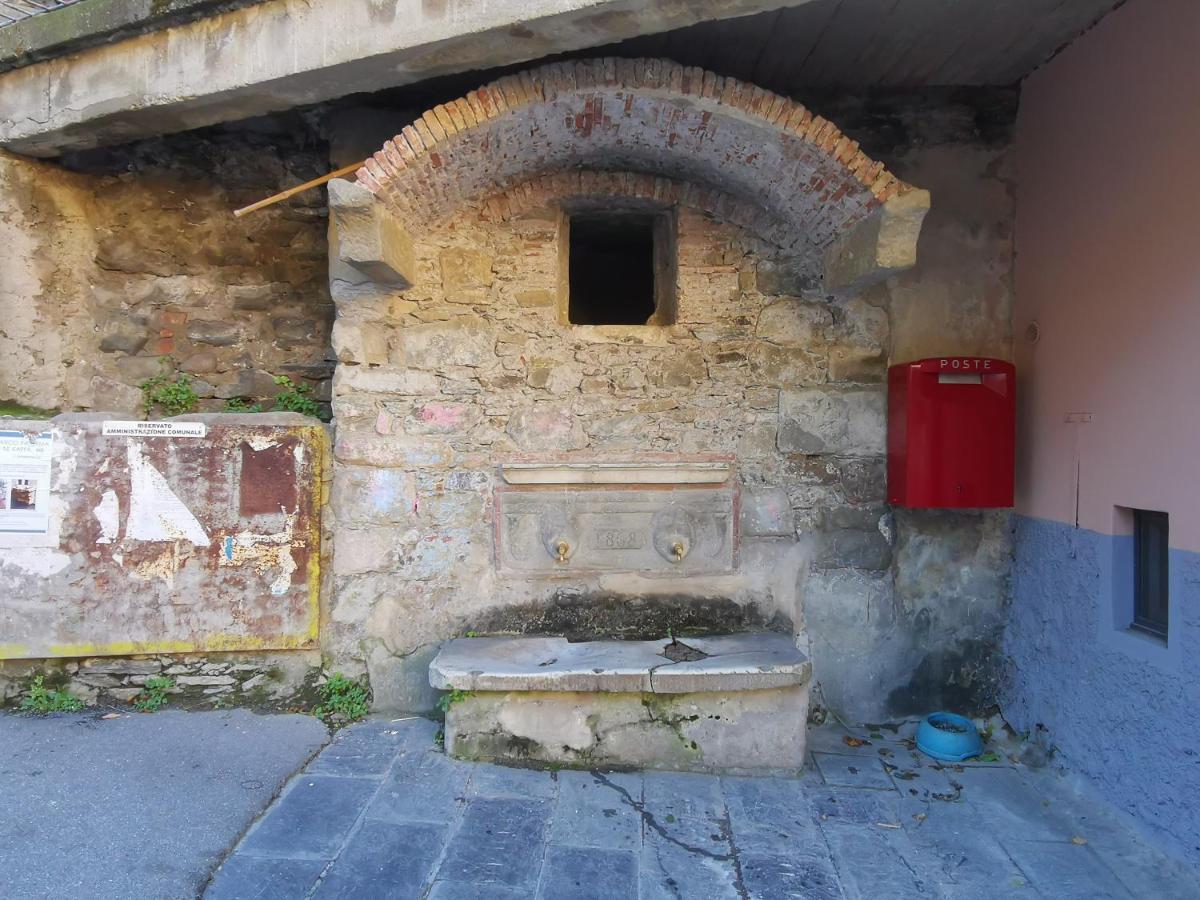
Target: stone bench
[(727, 703)]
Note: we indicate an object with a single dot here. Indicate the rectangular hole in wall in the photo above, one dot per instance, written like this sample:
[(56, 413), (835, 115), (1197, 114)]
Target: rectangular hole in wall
[(1150, 572), (615, 269)]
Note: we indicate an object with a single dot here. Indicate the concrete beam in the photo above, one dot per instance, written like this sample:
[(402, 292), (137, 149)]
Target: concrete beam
[(69, 29), (285, 53), (878, 247)]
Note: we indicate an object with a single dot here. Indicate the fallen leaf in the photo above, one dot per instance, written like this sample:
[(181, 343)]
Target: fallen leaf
[(905, 775), (920, 817), (113, 716), (1078, 841), (851, 741)]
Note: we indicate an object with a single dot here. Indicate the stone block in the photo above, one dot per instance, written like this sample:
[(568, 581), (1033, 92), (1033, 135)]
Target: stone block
[(682, 370), (215, 332), (119, 333), (535, 299), (466, 275), (401, 683), (362, 343), (791, 366), (794, 323), (255, 297), (390, 450), (366, 237), (291, 331), (546, 426), (254, 384), (138, 368), (114, 396), (553, 375), (878, 247), (859, 338), (203, 363), (357, 552), (733, 731), (854, 549), (461, 341), (439, 417), (373, 495), (736, 662), (767, 512), (843, 421), (786, 277)]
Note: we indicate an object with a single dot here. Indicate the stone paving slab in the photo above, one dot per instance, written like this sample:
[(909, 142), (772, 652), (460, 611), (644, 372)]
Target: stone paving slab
[(881, 822), (143, 805)]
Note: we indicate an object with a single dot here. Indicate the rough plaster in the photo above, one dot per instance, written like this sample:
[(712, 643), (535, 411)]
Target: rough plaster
[(133, 257), (1128, 721)]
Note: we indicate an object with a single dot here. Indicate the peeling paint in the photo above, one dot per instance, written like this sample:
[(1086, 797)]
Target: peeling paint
[(108, 514), (264, 552), (155, 512), (39, 561)]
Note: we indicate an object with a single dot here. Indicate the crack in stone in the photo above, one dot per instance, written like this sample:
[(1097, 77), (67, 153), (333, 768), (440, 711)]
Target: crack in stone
[(649, 819)]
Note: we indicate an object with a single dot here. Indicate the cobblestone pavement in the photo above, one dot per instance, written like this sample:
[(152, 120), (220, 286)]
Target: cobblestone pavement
[(382, 812)]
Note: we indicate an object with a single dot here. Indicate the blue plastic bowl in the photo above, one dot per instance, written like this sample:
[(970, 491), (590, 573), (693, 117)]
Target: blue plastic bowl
[(948, 737)]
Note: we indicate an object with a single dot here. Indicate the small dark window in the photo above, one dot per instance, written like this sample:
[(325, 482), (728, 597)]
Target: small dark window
[(612, 268), (1150, 572)]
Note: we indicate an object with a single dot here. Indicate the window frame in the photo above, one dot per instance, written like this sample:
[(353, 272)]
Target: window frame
[(1151, 573), (664, 232)]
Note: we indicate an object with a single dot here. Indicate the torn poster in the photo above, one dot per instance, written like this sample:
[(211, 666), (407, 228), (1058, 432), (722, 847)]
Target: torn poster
[(155, 512), (25, 482)]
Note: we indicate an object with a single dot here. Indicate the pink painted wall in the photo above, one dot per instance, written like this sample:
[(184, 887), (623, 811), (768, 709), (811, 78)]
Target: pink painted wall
[(1108, 265)]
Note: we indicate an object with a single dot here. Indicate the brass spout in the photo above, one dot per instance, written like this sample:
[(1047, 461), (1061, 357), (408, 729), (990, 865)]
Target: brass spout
[(561, 549), (678, 551)]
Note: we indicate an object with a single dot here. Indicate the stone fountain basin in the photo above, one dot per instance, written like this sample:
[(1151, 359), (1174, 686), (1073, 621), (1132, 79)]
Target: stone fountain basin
[(741, 707), (736, 662)]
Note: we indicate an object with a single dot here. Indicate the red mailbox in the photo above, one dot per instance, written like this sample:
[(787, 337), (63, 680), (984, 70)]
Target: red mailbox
[(951, 432)]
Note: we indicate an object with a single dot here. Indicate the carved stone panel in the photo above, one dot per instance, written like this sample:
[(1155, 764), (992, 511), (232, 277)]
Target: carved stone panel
[(667, 530)]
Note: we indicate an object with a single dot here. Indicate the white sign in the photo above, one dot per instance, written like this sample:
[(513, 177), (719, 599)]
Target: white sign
[(25, 482), (153, 429)]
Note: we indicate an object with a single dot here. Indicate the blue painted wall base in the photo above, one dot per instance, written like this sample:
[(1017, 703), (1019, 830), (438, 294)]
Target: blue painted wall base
[(1120, 707)]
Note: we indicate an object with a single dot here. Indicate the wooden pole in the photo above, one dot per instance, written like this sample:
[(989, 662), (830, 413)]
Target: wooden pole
[(300, 188)]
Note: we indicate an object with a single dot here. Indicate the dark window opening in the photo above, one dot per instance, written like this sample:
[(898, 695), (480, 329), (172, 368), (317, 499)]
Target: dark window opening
[(611, 269), (1150, 572)]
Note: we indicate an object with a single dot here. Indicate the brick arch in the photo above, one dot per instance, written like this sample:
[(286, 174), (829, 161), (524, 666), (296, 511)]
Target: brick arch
[(647, 116), (567, 187)]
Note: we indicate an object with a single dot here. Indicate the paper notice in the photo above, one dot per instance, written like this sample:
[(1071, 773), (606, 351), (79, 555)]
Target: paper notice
[(25, 482)]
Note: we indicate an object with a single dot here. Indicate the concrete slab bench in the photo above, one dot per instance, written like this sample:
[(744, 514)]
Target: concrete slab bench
[(725, 703)]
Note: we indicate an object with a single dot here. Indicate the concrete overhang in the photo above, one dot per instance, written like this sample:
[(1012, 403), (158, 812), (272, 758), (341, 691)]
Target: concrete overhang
[(285, 53), (69, 29)]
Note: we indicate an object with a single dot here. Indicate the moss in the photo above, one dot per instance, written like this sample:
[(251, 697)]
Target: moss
[(19, 411), (591, 616)]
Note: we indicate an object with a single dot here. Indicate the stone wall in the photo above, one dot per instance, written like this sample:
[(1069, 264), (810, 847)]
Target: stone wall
[(909, 618), (133, 255), (439, 382)]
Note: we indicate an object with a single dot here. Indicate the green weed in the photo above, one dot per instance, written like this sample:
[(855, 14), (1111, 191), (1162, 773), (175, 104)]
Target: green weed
[(293, 398), (174, 397), (42, 699), (239, 405), (449, 699), (345, 700), (154, 693)]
